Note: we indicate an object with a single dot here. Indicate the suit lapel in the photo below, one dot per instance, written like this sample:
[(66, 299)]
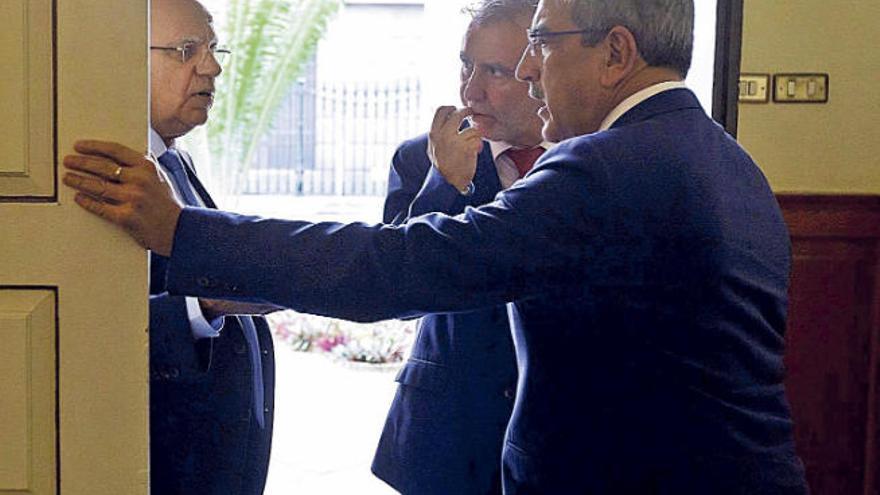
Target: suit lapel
[(486, 181), (159, 264), (194, 180)]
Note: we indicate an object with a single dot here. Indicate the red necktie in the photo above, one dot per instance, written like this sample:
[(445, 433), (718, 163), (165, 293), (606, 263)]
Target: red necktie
[(524, 158)]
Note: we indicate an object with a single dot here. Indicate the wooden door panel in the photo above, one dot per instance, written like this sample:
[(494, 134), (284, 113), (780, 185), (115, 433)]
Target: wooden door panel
[(26, 152), (832, 339), (28, 371), (73, 380)]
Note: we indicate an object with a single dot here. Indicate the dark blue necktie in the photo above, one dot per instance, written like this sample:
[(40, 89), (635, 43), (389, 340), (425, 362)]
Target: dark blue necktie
[(172, 163), (174, 166)]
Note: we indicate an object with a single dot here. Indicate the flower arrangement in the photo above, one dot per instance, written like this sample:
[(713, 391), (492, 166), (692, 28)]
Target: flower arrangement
[(374, 343)]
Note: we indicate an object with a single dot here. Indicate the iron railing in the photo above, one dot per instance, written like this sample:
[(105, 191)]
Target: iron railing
[(335, 139)]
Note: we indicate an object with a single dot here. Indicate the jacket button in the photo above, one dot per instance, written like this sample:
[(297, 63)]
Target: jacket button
[(203, 282), (265, 352), (175, 372), (509, 393)]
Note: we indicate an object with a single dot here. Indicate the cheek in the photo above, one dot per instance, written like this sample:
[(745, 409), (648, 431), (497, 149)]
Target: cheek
[(506, 96)]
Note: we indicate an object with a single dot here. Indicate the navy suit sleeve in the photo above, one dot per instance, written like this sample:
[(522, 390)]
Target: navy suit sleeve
[(408, 169), (172, 347), (415, 187), (522, 244), (435, 195)]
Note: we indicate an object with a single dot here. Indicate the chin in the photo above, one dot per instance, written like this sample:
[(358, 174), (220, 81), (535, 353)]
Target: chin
[(551, 132)]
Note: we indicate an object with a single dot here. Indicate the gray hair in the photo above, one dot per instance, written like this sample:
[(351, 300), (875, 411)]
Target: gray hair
[(486, 12), (663, 29)]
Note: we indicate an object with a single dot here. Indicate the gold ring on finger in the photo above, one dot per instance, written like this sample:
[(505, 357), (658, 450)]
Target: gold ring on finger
[(117, 174)]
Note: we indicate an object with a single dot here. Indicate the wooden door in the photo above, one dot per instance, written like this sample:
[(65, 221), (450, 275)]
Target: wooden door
[(73, 290)]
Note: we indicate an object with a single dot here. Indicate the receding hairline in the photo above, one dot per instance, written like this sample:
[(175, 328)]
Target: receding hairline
[(166, 5), (487, 12)]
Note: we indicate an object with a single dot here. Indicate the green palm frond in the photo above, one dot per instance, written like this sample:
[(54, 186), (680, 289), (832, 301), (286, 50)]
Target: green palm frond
[(271, 41)]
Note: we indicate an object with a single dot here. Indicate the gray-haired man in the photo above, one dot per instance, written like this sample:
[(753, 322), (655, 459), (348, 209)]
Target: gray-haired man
[(445, 429), (645, 254)]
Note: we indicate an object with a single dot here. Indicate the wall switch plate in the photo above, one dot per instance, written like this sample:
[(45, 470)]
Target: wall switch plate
[(754, 88), (800, 88)]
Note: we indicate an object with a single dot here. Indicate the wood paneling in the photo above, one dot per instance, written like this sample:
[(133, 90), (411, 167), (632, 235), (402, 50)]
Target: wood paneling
[(28, 453), (27, 99), (833, 336)]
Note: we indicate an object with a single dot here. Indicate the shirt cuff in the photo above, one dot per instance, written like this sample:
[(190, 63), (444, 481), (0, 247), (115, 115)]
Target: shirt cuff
[(200, 327)]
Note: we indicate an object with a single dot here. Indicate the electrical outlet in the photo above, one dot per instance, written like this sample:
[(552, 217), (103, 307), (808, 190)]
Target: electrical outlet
[(800, 88), (754, 88)]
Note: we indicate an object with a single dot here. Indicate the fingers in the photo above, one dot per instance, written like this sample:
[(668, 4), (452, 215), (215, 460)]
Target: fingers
[(111, 213), (96, 188), (120, 154), (441, 116), (459, 115), (449, 118), (99, 166), (472, 138)]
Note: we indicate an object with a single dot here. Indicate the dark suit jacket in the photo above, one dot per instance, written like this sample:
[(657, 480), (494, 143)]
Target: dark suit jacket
[(204, 438), (445, 430), (649, 264)]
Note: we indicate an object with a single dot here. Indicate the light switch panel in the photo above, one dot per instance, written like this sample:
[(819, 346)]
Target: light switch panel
[(800, 88), (754, 88)]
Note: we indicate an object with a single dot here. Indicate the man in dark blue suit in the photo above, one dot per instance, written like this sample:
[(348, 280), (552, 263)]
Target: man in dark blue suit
[(445, 429), (211, 384), (646, 257)]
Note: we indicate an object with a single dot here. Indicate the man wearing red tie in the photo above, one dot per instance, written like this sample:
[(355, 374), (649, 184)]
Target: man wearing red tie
[(445, 430)]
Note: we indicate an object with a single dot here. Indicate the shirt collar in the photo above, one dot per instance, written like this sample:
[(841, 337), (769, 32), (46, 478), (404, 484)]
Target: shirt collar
[(157, 144), (499, 147), (636, 98)]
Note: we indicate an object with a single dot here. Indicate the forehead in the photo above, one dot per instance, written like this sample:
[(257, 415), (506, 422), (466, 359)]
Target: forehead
[(180, 20), (553, 13), (498, 40)]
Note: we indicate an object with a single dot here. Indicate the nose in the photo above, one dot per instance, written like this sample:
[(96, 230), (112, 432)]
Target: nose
[(209, 65), (529, 67), (474, 88)]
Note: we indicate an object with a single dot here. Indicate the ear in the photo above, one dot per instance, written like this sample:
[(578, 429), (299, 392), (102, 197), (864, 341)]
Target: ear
[(621, 57)]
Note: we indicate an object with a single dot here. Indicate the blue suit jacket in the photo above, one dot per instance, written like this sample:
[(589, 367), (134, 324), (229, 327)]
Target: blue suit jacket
[(445, 430), (204, 438), (649, 268)]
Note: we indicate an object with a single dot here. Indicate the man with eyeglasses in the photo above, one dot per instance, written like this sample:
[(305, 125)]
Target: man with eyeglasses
[(445, 429), (211, 364), (645, 254)]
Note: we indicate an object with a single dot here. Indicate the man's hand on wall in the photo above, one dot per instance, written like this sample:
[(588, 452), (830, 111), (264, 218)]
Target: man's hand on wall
[(125, 187)]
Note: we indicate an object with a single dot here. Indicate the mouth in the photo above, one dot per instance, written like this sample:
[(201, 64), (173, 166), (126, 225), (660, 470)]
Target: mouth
[(544, 113), (482, 116), (205, 94), (535, 92)]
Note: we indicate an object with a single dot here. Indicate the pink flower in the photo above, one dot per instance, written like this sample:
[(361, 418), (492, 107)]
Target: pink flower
[(327, 343)]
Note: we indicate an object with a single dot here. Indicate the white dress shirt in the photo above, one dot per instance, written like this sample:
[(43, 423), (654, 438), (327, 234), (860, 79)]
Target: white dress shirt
[(507, 171), (636, 98)]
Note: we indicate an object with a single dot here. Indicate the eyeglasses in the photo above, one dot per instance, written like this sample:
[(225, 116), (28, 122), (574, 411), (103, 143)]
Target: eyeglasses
[(189, 50), (538, 38)]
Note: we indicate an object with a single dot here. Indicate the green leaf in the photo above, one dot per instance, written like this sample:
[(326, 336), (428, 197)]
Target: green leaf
[(271, 41)]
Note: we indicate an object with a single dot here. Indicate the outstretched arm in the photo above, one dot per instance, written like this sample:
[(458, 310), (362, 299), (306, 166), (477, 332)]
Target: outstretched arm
[(537, 236)]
